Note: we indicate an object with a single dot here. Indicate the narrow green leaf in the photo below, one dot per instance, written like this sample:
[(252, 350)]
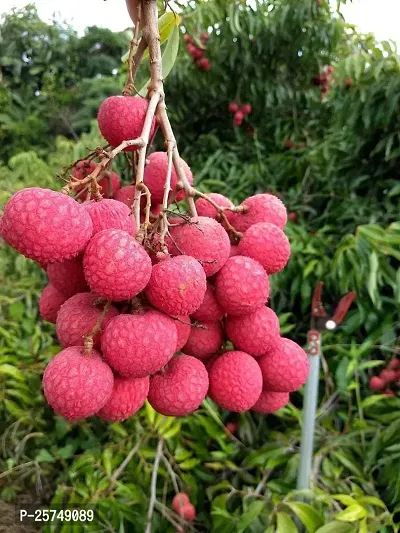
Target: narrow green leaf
[(310, 517), (252, 512), (351, 514), (336, 527), (284, 524)]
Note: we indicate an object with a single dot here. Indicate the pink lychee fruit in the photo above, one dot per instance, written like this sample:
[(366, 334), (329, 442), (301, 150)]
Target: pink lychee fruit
[(127, 397), (285, 367), (67, 276), (82, 169), (209, 309), (233, 107), (126, 195), (109, 184), (260, 208), (376, 383), (140, 344), (78, 316), (238, 118), (241, 286), (155, 174), (204, 340), (255, 333), (188, 173), (110, 214), (183, 328), (394, 364), (50, 302), (179, 500), (235, 381), (270, 402), (44, 225), (232, 427), (206, 241), (389, 392), (267, 244), (204, 64), (116, 266), (77, 385), (121, 118), (388, 375), (180, 388), (205, 209), (177, 286), (234, 250), (187, 512), (247, 109)]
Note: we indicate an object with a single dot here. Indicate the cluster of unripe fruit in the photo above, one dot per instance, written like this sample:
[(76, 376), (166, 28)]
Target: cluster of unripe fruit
[(239, 112), (388, 379), (198, 54), (138, 322)]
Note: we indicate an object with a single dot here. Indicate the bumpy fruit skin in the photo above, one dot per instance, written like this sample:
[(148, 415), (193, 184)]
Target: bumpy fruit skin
[(126, 195), (241, 286), (206, 241), (67, 276), (77, 385), (209, 309), (267, 244), (235, 381), (285, 368), (187, 512), (110, 214), (127, 397), (234, 250), (86, 167), (115, 265), (50, 302), (181, 193), (204, 341), (261, 208), (205, 209), (183, 328), (139, 345), (179, 500), (377, 384), (270, 402), (177, 286), (121, 119), (44, 225), (255, 333), (83, 169), (155, 173), (388, 375), (77, 318), (180, 388)]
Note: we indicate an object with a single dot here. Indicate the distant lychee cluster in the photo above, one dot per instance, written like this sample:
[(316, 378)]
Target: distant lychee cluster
[(198, 53), (144, 315), (239, 112), (324, 80), (388, 381)]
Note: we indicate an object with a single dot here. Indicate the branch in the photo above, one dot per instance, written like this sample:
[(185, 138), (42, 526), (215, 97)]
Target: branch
[(153, 490), (125, 462)]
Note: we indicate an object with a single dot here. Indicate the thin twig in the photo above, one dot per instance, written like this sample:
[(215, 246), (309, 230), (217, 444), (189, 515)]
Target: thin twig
[(172, 474), (153, 490), (125, 462)]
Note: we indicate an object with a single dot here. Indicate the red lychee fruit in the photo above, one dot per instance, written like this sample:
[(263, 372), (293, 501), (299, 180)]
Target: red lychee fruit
[(177, 286), (233, 107), (270, 402), (110, 214), (324, 89), (376, 383), (77, 385), (330, 69), (180, 388), (388, 375), (204, 340), (191, 48), (206, 241), (183, 328), (293, 216), (140, 344), (181, 192), (127, 397), (204, 36), (394, 364), (204, 64), (179, 500), (205, 209), (67, 276), (78, 316), (234, 250), (155, 173), (126, 195), (209, 310), (116, 266), (267, 244), (238, 118), (235, 381), (82, 169), (109, 184), (50, 302), (348, 82), (247, 109), (187, 512), (44, 225), (121, 118), (285, 367), (241, 286), (255, 333), (260, 208), (288, 143), (232, 427), (389, 392), (187, 39), (197, 53)]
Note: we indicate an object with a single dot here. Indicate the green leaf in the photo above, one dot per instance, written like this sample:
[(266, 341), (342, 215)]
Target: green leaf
[(309, 516), (371, 500), (336, 527), (284, 524), (11, 371), (44, 456), (345, 499), (253, 510), (351, 514)]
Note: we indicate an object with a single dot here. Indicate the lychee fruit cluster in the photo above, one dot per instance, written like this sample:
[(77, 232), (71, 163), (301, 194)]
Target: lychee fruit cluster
[(324, 80), (239, 112), (198, 53), (388, 380), (182, 506), (142, 317)]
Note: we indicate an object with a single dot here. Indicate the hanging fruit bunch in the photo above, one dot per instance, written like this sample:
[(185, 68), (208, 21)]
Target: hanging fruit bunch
[(198, 52), (150, 303)]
